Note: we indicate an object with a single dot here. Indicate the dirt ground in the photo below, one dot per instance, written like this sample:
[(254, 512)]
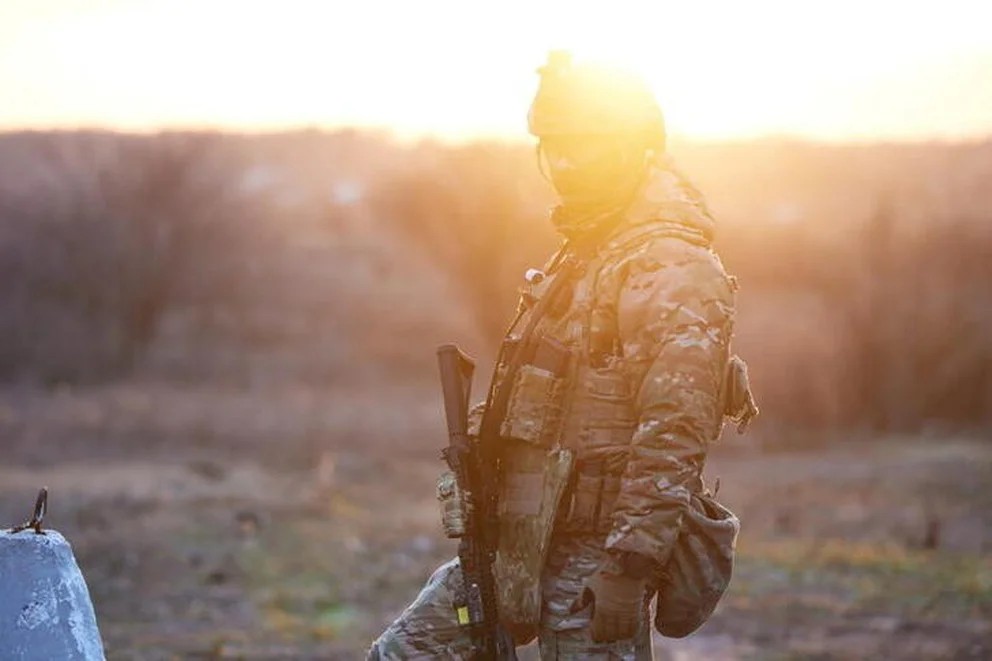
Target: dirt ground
[(293, 524)]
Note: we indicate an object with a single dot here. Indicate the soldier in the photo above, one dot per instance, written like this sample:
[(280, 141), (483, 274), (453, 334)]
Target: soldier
[(625, 383)]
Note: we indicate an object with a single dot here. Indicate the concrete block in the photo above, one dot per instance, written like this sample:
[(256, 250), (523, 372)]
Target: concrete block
[(45, 607)]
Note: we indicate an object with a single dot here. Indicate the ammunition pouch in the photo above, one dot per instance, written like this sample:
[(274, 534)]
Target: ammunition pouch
[(533, 412), (534, 405), (452, 504), (608, 423), (591, 498)]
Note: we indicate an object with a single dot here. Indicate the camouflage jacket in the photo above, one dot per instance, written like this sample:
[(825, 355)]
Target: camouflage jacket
[(673, 308), (646, 323)]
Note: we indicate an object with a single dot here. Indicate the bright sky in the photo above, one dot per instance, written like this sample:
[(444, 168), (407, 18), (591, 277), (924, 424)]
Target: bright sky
[(839, 70)]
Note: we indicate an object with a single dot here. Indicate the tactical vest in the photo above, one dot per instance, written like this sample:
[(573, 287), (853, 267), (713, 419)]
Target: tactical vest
[(569, 419)]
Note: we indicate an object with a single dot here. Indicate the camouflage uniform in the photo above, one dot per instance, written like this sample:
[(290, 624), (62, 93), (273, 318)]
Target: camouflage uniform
[(648, 320)]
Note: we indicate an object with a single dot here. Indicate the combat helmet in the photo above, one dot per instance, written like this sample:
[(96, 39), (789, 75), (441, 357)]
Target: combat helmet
[(591, 99)]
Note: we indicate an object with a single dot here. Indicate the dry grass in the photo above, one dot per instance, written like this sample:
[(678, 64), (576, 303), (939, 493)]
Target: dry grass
[(304, 547)]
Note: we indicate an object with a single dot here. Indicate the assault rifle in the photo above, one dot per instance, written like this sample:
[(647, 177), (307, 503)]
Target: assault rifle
[(475, 473), (474, 464)]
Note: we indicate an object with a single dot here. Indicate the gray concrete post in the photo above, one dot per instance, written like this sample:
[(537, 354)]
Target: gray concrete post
[(45, 608)]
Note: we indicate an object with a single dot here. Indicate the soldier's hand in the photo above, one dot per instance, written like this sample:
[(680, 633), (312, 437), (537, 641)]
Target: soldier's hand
[(617, 603)]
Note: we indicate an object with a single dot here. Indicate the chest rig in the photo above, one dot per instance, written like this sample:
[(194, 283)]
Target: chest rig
[(568, 420)]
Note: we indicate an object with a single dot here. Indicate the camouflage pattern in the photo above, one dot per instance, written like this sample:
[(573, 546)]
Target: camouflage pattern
[(527, 509), (428, 629), (648, 320), (452, 505), (573, 559), (674, 318), (691, 584)]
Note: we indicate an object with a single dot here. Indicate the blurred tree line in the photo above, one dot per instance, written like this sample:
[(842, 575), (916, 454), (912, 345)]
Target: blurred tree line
[(321, 257)]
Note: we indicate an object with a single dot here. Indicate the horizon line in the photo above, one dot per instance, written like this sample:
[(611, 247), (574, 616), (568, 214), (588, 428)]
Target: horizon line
[(483, 137)]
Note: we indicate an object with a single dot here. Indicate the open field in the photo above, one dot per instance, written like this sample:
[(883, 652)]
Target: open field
[(216, 523), (216, 349)]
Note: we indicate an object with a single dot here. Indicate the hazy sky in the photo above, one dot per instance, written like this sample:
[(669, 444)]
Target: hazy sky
[(837, 70)]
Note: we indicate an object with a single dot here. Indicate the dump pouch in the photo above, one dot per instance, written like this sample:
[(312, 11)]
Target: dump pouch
[(699, 570)]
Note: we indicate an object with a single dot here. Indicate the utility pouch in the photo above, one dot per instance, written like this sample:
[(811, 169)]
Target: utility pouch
[(584, 509), (699, 570), (452, 504), (591, 498), (738, 401), (534, 482)]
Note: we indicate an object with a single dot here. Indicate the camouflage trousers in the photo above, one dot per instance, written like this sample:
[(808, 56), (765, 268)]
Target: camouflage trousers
[(427, 629)]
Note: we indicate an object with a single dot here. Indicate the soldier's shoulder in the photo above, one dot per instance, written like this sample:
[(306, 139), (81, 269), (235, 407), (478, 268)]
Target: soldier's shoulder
[(673, 250), (654, 247), (671, 267)]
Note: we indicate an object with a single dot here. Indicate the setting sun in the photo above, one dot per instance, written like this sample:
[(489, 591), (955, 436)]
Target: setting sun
[(841, 71)]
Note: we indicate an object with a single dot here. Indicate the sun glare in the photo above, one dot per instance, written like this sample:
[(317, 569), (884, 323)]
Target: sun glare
[(738, 78), (720, 70)]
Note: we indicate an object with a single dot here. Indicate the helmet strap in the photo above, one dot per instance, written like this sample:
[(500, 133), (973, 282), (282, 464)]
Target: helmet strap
[(540, 163)]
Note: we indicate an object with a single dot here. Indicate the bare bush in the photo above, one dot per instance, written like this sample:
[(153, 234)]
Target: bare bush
[(311, 256), (920, 324), (100, 239)]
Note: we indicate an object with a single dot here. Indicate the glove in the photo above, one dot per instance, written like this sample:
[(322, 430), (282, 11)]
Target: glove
[(618, 604)]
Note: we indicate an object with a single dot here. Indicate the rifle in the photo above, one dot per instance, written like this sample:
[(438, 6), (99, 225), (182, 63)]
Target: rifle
[(475, 466), (474, 470)]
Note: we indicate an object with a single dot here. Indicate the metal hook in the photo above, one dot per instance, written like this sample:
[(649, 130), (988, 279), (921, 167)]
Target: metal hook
[(40, 509)]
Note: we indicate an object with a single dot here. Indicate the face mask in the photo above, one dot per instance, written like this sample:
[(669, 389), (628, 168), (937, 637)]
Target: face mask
[(592, 169)]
